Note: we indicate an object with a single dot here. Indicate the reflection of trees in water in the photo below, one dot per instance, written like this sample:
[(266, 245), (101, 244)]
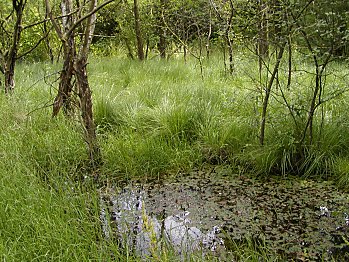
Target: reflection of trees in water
[(289, 217)]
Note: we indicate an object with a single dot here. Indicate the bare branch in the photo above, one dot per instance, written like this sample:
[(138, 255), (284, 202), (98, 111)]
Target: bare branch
[(53, 20), (35, 46), (89, 30), (35, 24), (78, 22)]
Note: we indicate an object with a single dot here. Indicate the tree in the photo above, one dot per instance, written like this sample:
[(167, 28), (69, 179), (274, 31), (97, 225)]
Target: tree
[(225, 12), (10, 42), (263, 45), (139, 38), (325, 38), (77, 20), (290, 24), (162, 29), (20, 24)]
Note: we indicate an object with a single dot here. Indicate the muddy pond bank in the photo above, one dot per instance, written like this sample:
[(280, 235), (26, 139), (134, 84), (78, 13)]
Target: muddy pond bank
[(214, 209)]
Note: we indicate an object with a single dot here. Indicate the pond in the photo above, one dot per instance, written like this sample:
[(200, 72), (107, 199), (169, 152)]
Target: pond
[(214, 209)]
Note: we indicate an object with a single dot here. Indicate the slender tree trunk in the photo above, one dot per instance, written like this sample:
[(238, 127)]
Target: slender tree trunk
[(162, 41), (268, 92), (65, 89), (85, 97), (208, 51), (317, 94), (47, 41), (289, 77), (231, 55), (228, 38), (64, 95), (139, 38), (147, 48), (11, 56), (318, 89), (162, 44), (263, 45), (224, 57), (313, 105), (84, 90), (184, 43), (129, 48)]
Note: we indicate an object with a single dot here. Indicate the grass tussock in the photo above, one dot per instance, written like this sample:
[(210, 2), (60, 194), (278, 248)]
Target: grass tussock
[(169, 107)]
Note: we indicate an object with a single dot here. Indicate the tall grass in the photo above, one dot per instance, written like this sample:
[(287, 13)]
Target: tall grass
[(153, 119), (45, 215), (166, 107), (215, 118)]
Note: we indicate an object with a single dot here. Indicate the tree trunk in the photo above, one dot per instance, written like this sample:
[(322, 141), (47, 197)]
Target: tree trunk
[(208, 51), (139, 38), (230, 53), (84, 90), (11, 57), (74, 68), (263, 45), (9, 75), (85, 97), (129, 49), (268, 92), (162, 31), (162, 44), (64, 95), (289, 72), (228, 38), (318, 89)]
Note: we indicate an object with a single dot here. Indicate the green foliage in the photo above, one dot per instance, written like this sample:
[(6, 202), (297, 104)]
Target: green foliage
[(191, 23), (34, 12), (327, 26)]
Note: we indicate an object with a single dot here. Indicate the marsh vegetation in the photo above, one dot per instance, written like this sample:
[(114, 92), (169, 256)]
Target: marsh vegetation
[(233, 111), (158, 120)]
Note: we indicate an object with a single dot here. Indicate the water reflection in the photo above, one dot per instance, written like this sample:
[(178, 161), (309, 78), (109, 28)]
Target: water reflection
[(299, 219)]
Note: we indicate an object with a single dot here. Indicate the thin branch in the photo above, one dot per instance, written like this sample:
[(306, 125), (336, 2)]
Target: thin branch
[(46, 105), (88, 31), (36, 45), (35, 24), (53, 20), (47, 19), (179, 38), (78, 22)]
